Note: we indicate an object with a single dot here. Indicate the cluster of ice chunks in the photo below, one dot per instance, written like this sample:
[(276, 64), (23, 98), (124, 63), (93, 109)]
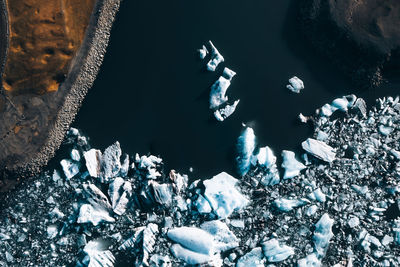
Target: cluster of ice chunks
[(295, 85), (342, 104), (218, 98)]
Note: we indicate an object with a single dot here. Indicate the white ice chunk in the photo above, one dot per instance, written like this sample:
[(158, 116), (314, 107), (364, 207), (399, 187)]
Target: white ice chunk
[(276, 252), (111, 164), (228, 73), (97, 255), (246, 145), (224, 239), (309, 261), (218, 92), (160, 261), (353, 222), (223, 196), (203, 52), (323, 234), (216, 58), (311, 210), (319, 149), (343, 104), (96, 197), (162, 193), (88, 214), (286, 205), (193, 238), (70, 168), (317, 195), (75, 155), (202, 205), (119, 192), (266, 159), (149, 163), (291, 165), (189, 256), (93, 162), (322, 136), (254, 258), (124, 166), (295, 84), (223, 113), (385, 130)]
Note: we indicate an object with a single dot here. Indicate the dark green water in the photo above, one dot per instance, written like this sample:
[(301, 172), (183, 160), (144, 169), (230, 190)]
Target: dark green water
[(152, 91)]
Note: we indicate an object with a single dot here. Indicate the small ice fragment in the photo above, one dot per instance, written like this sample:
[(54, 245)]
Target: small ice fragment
[(203, 52), (149, 164), (246, 145), (323, 234), (216, 58), (224, 239), (303, 118), (319, 149), (311, 210), (162, 193), (254, 258), (9, 257), (317, 195), (124, 166), (228, 74), (385, 130), (266, 159), (221, 193), (75, 155), (353, 222), (386, 240), (193, 238), (237, 223), (189, 256), (223, 113), (362, 190), (96, 197), (70, 168), (52, 231), (295, 84), (291, 165), (202, 205), (322, 136), (287, 205), (310, 261), (218, 92), (396, 231), (93, 162), (88, 214), (343, 104), (160, 261), (276, 252)]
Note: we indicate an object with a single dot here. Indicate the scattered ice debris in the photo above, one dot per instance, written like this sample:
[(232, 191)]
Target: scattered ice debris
[(97, 255), (223, 196), (311, 210), (70, 168), (223, 113), (149, 164), (254, 258), (246, 145), (295, 84), (276, 252), (367, 240), (203, 52), (216, 58), (291, 165), (228, 73), (319, 149), (287, 205), (342, 104)]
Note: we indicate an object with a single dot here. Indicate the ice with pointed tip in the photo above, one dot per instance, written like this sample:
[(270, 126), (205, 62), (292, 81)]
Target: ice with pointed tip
[(75, 155), (119, 192), (274, 252), (216, 58), (70, 168), (149, 163), (223, 196), (218, 95), (295, 85), (245, 146), (89, 214), (319, 150), (323, 234), (317, 195), (292, 166), (266, 159), (202, 205), (110, 163)]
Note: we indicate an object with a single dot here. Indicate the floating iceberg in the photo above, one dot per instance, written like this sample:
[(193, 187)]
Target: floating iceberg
[(266, 159), (291, 165), (319, 149), (223, 113), (223, 196), (218, 92), (276, 252), (216, 58), (203, 52), (295, 84), (246, 145), (254, 258), (287, 205), (70, 168), (111, 164)]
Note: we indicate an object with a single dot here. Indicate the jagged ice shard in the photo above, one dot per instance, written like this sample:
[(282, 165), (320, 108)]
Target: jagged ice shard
[(291, 165), (216, 58), (245, 146), (319, 149)]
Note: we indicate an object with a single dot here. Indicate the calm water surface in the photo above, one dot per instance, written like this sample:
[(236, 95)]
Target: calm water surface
[(152, 91)]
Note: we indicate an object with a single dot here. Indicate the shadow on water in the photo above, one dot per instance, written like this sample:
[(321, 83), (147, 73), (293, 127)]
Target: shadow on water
[(152, 94)]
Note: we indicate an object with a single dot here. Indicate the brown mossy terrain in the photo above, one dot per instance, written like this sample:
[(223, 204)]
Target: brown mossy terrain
[(51, 51), (44, 35), (362, 37)]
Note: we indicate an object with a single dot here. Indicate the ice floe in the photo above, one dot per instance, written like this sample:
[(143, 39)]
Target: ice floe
[(319, 149), (292, 166), (295, 85), (274, 252)]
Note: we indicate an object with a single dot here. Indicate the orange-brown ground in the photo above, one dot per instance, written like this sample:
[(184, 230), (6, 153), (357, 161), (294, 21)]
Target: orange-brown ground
[(44, 37)]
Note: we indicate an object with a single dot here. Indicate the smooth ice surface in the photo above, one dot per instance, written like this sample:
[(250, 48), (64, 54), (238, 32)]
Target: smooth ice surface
[(224, 239), (192, 238), (287, 205), (276, 252), (291, 165), (218, 92), (89, 214), (223, 113), (245, 146), (323, 234), (70, 167), (319, 149), (75, 155), (223, 196), (93, 162), (216, 58), (254, 258), (189, 256), (295, 84)]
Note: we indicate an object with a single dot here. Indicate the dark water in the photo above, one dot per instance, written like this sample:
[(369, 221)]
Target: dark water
[(152, 91)]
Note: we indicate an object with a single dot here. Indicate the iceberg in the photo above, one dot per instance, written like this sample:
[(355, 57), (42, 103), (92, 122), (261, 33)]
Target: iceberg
[(276, 252), (295, 85), (224, 239), (223, 113), (287, 205), (319, 150), (246, 145), (291, 165), (216, 58), (218, 92), (93, 162), (317, 195), (70, 168), (322, 234), (221, 193), (96, 197), (254, 258), (162, 193), (193, 238), (203, 52), (75, 155), (149, 164)]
